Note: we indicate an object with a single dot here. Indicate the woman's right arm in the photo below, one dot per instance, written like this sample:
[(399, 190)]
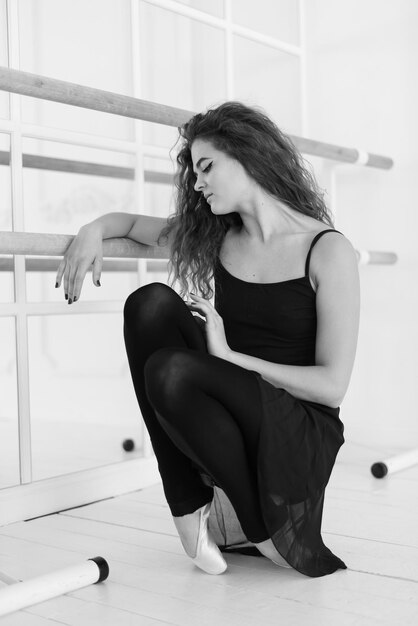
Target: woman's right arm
[(86, 248)]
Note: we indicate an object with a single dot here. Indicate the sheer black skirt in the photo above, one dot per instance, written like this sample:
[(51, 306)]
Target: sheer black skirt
[(298, 445)]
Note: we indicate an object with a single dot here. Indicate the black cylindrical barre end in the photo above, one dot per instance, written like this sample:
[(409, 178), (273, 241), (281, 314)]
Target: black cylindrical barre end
[(103, 566), (379, 470), (128, 445)]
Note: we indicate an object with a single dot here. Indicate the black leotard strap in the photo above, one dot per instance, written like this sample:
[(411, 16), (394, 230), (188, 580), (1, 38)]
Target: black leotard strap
[(315, 239)]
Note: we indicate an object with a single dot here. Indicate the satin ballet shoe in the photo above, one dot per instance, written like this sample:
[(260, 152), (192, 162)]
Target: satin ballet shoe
[(267, 548), (197, 542)]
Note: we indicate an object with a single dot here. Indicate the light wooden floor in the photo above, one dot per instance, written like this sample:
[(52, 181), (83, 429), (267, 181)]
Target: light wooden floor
[(371, 524)]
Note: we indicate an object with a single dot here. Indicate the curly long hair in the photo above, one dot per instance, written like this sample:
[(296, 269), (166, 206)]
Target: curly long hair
[(247, 135)]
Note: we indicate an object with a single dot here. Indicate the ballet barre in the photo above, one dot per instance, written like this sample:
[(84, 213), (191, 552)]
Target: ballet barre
[(374, 257), (157, 265), (393, 464), (44, 244), (68, 166), (22, 594), (46, 88)]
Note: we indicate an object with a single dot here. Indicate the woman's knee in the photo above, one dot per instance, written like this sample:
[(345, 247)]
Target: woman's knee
[(147, 300), (167, 376)]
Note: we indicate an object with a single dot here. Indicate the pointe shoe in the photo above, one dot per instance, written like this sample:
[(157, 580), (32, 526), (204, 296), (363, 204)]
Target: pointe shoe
[(268, 549), (197, 542)]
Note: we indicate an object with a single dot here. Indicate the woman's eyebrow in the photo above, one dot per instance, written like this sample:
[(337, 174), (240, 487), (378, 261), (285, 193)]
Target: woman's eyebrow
[(199, 162)]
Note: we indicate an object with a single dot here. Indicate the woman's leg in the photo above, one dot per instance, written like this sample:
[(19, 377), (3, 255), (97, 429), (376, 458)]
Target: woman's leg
[(212, 409), (154, 317)]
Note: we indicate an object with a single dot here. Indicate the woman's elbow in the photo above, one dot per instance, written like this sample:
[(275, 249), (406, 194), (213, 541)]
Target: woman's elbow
[(334, 392), (334, 402), (336, 395)]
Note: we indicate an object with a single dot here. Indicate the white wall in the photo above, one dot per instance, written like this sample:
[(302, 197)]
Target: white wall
[(363, 93)]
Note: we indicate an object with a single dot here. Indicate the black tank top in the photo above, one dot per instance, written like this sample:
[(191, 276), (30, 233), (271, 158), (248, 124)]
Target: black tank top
[(272, 321)]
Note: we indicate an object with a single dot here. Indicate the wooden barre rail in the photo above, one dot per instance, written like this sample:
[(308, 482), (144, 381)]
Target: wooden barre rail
[(45, 88), (51, 265), (44, 244), (41, 244), (83, 167)]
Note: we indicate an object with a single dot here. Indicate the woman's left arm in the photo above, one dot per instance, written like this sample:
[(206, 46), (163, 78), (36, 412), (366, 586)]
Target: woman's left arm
[(334, 267)]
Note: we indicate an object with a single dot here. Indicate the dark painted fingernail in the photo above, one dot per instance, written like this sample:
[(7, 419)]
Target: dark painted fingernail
[(56, 285), (75, 298), (66, 296), (69, 301), (98, 283)]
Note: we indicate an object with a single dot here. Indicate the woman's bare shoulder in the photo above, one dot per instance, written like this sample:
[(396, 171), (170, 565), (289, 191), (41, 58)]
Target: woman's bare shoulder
[(332, 252)]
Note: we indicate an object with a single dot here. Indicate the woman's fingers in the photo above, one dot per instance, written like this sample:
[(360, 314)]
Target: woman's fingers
[(84, 251), (60, 272), (73, 277), (71, 283), (201, 303), (192, 307), (97, 270), (66, 272), (78, 277)]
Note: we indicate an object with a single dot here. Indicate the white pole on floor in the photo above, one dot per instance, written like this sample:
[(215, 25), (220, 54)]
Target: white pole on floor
[(20, 595), (395, 463)]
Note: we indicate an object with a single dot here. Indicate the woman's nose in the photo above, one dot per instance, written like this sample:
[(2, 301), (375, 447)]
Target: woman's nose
[(198, 186)]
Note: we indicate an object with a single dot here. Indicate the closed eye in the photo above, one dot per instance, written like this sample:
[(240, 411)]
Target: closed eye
[(205, 170)]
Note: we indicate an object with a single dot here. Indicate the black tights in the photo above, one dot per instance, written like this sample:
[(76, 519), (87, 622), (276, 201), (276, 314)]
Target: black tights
[(197, 407)]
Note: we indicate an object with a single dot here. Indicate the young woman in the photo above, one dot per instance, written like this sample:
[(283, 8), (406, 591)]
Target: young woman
[(248, 390)]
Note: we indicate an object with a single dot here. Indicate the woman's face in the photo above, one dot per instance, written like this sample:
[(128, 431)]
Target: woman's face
[(220, 177)]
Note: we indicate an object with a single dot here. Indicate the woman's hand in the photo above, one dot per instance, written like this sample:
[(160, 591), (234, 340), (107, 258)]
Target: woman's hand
[(214, 327), (85, 249)]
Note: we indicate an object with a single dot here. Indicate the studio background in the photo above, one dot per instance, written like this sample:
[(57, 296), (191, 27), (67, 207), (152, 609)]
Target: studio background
[(339, 72)]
